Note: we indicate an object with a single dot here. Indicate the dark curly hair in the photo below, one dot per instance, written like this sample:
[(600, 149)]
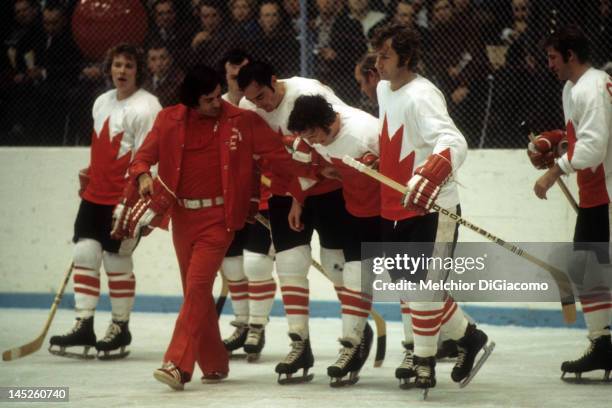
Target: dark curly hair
[(309, 112), (200, 80), (131, 52), (405, 41)]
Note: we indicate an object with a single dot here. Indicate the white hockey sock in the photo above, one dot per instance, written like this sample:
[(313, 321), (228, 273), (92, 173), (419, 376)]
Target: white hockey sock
[(262, 287), (356, 304), (292, 269), (454, 321), (233, 269), (426, 321), (597, 309), (407, 322), (121, 284), (332, 261), (87, 260)]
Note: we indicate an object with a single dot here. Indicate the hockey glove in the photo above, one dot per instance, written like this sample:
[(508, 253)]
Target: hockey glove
[(369, 159), (424, 186), (546, 147), (150, 211), (121, 213), (300, 151)]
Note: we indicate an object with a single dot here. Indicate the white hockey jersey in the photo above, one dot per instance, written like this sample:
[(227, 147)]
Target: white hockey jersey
[(358, 135), (587, 106), (415, 124), (120, 127)]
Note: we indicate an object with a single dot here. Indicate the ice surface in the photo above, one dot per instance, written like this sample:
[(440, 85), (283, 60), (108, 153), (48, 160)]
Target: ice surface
[(522, 372)]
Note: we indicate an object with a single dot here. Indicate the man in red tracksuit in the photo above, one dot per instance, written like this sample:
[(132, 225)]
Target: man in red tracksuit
[(204, 147)]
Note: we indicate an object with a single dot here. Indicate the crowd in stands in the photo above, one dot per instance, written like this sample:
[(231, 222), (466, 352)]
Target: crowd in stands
[(486, 56)]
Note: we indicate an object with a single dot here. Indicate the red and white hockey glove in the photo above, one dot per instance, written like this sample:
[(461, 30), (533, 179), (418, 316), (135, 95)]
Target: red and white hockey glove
[(425, 184), (83, 180), (150, 212), (300, 150), (546, 147), (369, 159), (121, 213)]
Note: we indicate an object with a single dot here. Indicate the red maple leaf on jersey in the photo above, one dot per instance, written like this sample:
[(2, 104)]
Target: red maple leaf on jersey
[(397, 169)]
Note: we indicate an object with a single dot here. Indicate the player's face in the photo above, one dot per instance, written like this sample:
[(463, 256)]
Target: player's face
[(316, 135), (123, 73), (210, 104), (387, 62), (367, 83), (556, 64), (261, 96)]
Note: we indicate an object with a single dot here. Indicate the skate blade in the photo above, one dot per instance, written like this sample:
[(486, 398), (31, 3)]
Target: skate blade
[(343, 382), (237, 356), (108, 356), (407, 383), (169, 381), (579, 379), (487, 350), (252, 357), (68, 354), (425, 393), (289, 379)]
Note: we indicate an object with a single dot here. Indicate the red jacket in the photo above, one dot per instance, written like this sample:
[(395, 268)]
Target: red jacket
[(242, 134)]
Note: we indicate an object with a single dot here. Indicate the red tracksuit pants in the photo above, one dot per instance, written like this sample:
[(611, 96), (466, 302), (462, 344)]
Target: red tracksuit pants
[(200, 240)]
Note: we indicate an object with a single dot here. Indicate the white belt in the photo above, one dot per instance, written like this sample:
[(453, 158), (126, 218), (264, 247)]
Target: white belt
[(203, 203)]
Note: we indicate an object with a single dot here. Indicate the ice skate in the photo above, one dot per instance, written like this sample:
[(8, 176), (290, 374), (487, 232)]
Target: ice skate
[(237, 339), (255, 341), (345, 371), (113, 345), (300, 357), (597, 357), (469, 346), (406, 372), (425, 368), (81, 335)]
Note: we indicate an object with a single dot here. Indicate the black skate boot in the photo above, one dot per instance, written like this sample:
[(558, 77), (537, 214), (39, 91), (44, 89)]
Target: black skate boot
[(468, 346), (237, 339), (82, 334), (300, 357), (406, 372), (597, 357), (117, 338), (425, 368), (351, 360), (255, 341), (447, 350)]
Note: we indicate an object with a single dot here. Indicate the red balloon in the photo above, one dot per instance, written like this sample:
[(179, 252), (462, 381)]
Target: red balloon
[(98, 25)]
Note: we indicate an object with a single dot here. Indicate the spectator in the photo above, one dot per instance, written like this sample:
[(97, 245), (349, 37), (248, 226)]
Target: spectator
[(339, 43), (292, 11), (367, 77), (165, 77), (602, 46), (404, 15), (165, 30), (244, 25), (360, 10), (275, 43), (214, 39)]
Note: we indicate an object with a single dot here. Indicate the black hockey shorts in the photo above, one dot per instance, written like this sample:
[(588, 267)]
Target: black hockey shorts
[(592, 231), (95, 221), (253, 237), (358, 230), (324, 213)]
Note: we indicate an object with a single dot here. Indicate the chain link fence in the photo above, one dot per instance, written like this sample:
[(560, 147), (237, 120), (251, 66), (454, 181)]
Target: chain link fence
[(485, 55)]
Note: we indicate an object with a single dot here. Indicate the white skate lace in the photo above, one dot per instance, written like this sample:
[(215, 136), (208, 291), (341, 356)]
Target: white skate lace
[(423, 370), (461, 353), (297, 347), (407, 362), (112, 331), (346, 353), (77, 325), (240, 329), (254, 336)]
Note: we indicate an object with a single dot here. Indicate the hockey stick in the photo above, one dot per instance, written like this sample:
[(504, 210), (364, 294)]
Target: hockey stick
[(35, 344), (223, 295), (560, 182), (381, 325), (565, 288)]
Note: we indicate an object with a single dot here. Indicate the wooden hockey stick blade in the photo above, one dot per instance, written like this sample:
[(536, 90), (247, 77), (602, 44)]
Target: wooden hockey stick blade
[(222, 296), (568, 194), (35, 344), (381, 325), (565, 288)]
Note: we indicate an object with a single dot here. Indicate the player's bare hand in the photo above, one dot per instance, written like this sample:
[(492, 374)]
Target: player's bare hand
[(200, 38), (330, 172), (295, 215), (460, 94), (145, 185), (545, 182)]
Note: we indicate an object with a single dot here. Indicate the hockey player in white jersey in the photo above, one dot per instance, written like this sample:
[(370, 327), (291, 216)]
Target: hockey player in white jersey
[(122, 118), (337, 131), (587, 107), (273, 100), (420, 146)]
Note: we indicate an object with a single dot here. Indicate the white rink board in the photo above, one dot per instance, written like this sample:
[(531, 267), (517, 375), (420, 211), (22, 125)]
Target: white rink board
[(522, 372), (38, 188)]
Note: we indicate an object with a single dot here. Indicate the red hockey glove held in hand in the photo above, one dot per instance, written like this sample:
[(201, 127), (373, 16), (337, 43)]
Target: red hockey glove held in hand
[(546, 147), (300, 151), (369, 159), (425, 184), (149, 212), (83, 180), (121, 213)]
